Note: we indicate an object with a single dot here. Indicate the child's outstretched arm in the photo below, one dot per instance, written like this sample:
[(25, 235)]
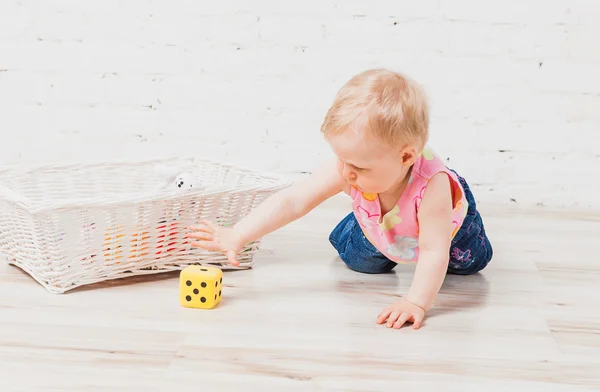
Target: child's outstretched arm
[(275, 212), (435, 230)]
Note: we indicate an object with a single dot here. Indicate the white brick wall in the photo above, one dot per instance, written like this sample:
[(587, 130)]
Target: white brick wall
[(514, 85)]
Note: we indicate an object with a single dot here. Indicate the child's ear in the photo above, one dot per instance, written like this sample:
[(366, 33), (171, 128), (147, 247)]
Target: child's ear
[(408, 155)]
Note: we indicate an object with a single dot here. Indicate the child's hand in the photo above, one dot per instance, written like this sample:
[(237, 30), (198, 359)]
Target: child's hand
[(401, 312), (214, 237)]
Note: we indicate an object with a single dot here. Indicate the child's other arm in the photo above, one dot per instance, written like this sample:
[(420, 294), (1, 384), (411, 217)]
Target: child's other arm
[(435, 227), (276, 211), (435, 232)]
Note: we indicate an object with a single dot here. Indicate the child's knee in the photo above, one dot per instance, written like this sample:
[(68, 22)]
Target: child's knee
[(341, 233), (356, 251), (475, 264), (333, 240)]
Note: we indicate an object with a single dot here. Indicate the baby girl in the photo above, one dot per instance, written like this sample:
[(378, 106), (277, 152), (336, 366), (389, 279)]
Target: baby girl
[(408, 207)]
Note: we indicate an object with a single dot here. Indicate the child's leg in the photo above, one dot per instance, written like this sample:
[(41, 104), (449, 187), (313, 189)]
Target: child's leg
[(355, 249), (471, 250)]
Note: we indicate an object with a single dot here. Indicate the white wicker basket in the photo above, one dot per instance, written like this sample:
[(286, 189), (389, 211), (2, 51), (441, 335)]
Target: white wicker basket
[(74, 225)]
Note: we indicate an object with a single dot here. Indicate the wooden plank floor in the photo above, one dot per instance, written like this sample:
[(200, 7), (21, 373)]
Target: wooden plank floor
[(300, 320)]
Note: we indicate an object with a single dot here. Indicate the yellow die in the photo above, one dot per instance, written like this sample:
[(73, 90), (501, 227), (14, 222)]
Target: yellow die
[(200, 287)]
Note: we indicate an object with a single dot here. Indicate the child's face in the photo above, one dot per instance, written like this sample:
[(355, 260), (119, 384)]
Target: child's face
[(369, 164)]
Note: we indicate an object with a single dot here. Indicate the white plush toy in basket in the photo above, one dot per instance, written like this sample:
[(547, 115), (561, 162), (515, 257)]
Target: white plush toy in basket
[(74, 225)]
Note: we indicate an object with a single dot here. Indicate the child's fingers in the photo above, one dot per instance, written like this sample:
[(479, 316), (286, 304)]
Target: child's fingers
[(418, 321), (208, 245), (393, 317), (202, 236), (232, 257), (202, 228), (383, 316), (211, 225), (402, 319)]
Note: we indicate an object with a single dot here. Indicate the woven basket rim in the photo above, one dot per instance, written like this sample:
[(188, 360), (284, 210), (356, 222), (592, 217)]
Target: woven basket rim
[(6, 194)]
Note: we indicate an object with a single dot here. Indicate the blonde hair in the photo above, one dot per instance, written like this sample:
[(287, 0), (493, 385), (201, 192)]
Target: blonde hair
[(394, 106)]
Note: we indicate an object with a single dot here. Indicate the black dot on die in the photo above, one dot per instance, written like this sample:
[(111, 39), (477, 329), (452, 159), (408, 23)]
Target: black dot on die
[(203, 300), (219, 293), (221, 281), (189, 283), (216, 283), (196, 291), (188, 298), (203, 269), (203, 284), (215, 296)]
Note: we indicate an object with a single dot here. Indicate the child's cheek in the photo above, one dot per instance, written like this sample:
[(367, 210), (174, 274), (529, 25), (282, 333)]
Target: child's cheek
[(340, 167)]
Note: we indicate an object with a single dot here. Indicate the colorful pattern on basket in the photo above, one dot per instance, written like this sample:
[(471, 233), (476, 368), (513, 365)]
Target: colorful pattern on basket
[(396, 233), (167, 241)]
